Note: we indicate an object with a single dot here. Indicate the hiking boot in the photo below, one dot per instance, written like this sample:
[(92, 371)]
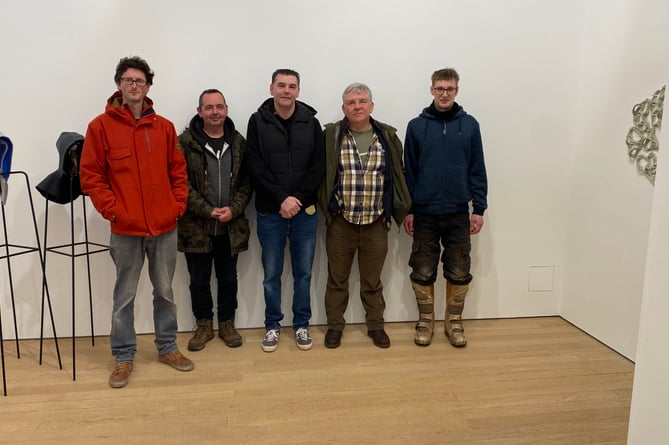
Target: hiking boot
[(271, 340), (120, 374), (204, 331), (332, 339), (176, 360), (230, 336), (303, 339)]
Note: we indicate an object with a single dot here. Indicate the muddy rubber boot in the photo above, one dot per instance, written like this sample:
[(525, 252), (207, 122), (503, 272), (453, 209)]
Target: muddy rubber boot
[(455, 303), (425, 325)]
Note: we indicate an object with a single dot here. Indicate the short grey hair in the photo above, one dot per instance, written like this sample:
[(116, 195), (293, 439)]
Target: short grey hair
[(356, 87)]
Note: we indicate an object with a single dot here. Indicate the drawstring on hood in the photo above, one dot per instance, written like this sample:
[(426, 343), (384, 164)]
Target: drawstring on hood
[(445, 116)]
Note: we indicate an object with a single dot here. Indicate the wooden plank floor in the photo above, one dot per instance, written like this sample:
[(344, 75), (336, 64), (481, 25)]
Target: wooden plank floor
[(519, 381)]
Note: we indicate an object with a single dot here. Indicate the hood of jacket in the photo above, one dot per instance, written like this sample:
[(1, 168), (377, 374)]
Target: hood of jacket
[(196, 128), (117, 109), (457, 114)]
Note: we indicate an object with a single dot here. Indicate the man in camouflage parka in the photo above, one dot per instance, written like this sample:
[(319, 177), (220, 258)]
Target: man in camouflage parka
[(214, 228)]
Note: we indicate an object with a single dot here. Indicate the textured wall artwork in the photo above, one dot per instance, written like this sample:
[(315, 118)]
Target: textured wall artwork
[(642, 144)]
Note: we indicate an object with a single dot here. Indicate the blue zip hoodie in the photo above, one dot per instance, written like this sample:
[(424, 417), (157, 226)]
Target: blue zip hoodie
[(445, 168)]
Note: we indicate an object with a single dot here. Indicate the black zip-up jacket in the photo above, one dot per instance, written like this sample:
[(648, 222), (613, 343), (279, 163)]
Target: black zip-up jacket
[(284, 160)]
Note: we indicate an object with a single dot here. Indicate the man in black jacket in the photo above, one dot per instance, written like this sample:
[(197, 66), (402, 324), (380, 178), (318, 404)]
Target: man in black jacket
[(286, 163)]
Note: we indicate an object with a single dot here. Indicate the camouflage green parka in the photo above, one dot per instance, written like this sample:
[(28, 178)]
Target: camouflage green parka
[(193, 226)]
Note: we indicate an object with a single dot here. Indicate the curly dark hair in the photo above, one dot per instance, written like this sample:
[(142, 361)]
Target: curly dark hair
[(135, 62)]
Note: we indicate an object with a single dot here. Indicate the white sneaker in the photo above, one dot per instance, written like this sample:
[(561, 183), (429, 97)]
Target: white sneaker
[(271, 340), (303, 339)]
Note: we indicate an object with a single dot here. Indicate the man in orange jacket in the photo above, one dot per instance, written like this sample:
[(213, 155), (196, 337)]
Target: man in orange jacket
[(136, 178)]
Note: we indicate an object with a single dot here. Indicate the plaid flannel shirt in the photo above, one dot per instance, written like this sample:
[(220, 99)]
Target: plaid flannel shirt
[(360, 187)]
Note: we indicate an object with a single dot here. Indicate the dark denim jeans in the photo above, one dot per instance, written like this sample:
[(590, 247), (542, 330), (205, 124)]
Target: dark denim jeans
[(225, 268), (453, 231), (300, 231)]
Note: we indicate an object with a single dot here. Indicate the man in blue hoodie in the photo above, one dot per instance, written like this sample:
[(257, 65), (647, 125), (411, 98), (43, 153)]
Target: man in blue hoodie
[(445, 169)]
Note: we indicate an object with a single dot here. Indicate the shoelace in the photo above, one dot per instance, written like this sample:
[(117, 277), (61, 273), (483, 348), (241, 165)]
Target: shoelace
[(228, 328), (121, 368), (302, 334), (200, 332), (271, 335)]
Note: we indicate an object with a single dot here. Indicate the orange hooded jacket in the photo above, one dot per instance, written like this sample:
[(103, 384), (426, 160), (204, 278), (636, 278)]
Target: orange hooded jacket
[(133, 171)]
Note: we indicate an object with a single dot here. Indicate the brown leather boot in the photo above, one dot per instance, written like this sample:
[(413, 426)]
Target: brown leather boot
[(230, 336), (455, 303), (425, 325), (204, 331)]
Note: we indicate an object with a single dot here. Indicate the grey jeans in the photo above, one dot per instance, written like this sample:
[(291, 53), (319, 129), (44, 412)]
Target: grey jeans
[(128, 254)]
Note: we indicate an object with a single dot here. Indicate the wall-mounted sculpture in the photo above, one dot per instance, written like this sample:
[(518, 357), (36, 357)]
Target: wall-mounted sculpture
[(642, 144)]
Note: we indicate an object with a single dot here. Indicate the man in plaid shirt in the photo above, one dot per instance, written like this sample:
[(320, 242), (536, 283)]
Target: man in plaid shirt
[(364, 186)]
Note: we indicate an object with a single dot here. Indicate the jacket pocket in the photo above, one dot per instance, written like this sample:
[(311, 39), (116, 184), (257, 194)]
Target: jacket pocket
[(240, 233), (120, 159)]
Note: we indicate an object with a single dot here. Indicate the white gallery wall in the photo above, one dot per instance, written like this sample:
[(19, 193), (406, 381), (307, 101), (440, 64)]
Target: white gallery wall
[(552, 85), (623, 62), (60, 74), (651, 391)]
